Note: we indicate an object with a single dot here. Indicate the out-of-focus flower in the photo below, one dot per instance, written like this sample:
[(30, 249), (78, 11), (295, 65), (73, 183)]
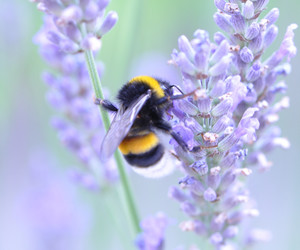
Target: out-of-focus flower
[(69, 28), (54, 218), (77, 26), (153, 230), (231, 122)]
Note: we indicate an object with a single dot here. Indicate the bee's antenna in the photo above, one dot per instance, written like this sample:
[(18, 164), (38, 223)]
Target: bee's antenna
[(175, 86), (176, 97)]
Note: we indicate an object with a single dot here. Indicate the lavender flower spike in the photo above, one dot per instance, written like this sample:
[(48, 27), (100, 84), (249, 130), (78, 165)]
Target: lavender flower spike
[(60, 41), (75, 29), (152, 236), (68, 20), (235, 104)]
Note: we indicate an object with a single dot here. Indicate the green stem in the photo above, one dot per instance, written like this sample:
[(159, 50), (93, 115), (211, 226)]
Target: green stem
[(96, 84), (126, 191)]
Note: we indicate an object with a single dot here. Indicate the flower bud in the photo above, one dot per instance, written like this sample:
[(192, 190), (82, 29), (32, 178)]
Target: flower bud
[(176, 194), (252, 31), (185, 64), (200, 167), (231, 232), (270, 36), (204, 103), (228, 160), (246, 55), (218, 221), (108, 23), (73, 32), (185, 46), (221, 124), (71, 13), (220, 52), (187, 107), (216, 238), (248, 9), (260, 4), (238, 22), (202, 46), (259, 85), (254, 72), (193, 184), (272, 16), (91, 10), (256, 44), (222, 108), (210, 195), (228, 142), (68, 46), (193, 125), (218, 89), (52, 7), (227, 179), (102, 4), (202, 35), (54, 37), (219, 37), (220, 67), (223, 23), (220, 4), (213, 179), (189, 208)]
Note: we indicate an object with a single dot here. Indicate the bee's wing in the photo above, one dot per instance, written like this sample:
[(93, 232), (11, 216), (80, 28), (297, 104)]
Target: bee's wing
[(121, 125)]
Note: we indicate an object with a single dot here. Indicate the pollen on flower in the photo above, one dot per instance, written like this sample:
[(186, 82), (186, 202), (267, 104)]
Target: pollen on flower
[(234, 48), (215, 170), (210, 137), (225, 96), (231, 7), (200, 93)]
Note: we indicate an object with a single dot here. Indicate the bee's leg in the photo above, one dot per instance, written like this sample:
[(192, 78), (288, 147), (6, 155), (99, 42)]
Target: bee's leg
[(106, 104), (163, 100), (164, 126)]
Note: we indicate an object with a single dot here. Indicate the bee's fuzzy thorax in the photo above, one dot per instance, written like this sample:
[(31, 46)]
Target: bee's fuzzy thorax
[(151, 82)]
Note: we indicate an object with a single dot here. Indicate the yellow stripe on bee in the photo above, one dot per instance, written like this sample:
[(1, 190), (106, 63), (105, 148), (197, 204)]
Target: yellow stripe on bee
[(151, 82), (138, 144)]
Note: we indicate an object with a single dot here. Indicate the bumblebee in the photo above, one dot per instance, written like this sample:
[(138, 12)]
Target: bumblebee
[(134, 129)]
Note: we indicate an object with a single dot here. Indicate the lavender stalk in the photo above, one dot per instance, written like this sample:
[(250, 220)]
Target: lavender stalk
[(125, 184), (73, 28), (233, 124)]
